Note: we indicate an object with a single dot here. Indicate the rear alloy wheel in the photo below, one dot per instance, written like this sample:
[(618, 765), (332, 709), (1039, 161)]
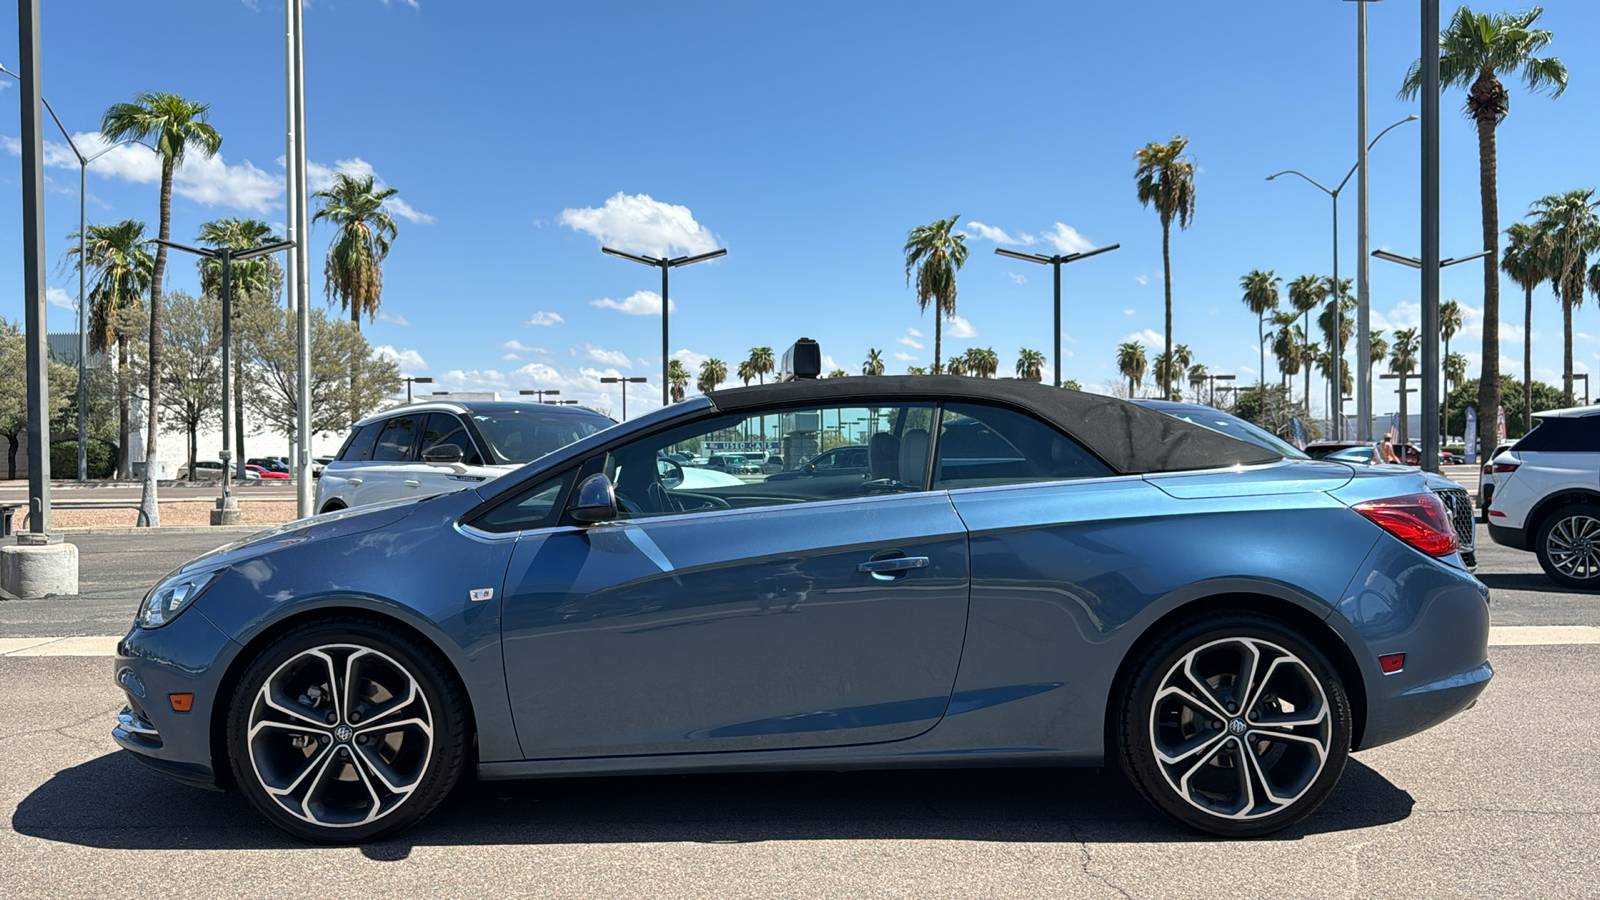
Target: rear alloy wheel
[(344, 731), (1235, 726), (1568, 546)]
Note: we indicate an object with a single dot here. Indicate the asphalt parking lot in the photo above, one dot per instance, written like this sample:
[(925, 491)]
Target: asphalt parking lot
[(1500, 801)]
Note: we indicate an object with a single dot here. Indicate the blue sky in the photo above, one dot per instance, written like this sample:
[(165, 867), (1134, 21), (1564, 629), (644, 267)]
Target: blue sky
[(807, 139)]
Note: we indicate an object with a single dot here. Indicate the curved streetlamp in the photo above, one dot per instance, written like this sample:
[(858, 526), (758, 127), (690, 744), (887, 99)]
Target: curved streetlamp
[(666, 265)]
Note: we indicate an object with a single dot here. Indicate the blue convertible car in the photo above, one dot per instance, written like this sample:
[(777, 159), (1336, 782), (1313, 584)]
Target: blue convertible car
[(1027, 576)]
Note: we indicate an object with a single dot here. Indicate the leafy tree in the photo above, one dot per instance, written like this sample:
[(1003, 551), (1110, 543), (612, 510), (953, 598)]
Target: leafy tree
[(1165, 179), (1270, 407), (174, 126), (839, 373), (1030, 364), (712, 373), (874, 363), (1475, 49), (935, 252), (1527, 261), (192, 392), (62, 382), (1512, 391), (1573, 231), (1131, 363), (262, 275), (1072, 384), (123, 269), (678, 379), (1260, 297), (336, 347)]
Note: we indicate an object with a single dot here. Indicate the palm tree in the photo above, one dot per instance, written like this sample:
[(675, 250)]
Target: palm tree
[(1131, 363), (1197, 377), (838, 373), (1403, 362), (874, 363), (259, 276), (1378, 348), (916, 370), (123, 271), (957, 366), (1449, 324), (1260, 297), (935, 252), (712, 373), (1181, 358), (1030, 364), (1526, 260), (1166, 180), (353, 270), (678, 378), (746, 372), (986, 362), (1336, 344), (761, 362), (1306, 293), (1288, 345), (1455, 370), (1475, 49), (1573, 228), (172, 126)]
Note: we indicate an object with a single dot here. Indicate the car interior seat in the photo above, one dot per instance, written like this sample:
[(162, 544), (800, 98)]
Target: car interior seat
[(883, 457)]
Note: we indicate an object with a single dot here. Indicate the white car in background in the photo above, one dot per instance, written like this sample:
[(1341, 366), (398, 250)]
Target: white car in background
[(1546, 495), (433, 447)]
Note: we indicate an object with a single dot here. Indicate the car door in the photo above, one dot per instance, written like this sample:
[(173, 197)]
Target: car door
[(394, 461), (799, 624), (421, 479)]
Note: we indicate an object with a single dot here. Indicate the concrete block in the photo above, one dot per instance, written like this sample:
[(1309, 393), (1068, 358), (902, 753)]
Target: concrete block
[(31, 572), (226, 516)]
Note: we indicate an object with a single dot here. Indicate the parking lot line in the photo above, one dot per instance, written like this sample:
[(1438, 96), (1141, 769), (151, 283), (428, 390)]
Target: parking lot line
[(67, 646), (1514, 635)]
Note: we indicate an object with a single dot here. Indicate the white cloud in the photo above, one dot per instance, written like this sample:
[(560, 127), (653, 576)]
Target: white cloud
[(691, 361), (1068, 338), (57, 297), (905, 357), (1018, 277), (543, 318), (1067, 239), (1129, 312), (640, 303), (910, 339), (960, 328), (519, 347), (408, 359), (604, 357), (1213, 310), (1142, 279), (406, 211), (411, 3), (637, 223), (999, 236), (1147, 337), (511, 356), (211, 181), (320, 177), (396, 319)]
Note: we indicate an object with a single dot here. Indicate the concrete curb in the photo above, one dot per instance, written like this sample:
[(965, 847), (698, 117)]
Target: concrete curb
[(167, 529)]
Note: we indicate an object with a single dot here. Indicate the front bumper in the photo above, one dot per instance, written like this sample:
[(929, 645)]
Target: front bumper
[(187, 656)]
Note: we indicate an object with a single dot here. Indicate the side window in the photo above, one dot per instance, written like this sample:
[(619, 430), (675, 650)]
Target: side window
[(886, 448), (396, 440), (446, 429), (538, 506), (359, 447), (985, 445)]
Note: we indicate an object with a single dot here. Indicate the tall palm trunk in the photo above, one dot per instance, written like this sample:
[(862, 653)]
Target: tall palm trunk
[(1488, 189), (938, 335), (148, 502), (1307, 319), (1261, 344), (1527, 363), (1566, 349), (123, 426), (1166, 275), (355, 369)]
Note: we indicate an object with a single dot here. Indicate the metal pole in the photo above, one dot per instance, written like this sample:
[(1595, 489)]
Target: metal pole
[(624, 386), (291, 284), (1430, 238), (1057, 266), (226, 255), (1335, 345), (666, 364), (37, 354), (302, 462), (1363, 297), (83, 335)]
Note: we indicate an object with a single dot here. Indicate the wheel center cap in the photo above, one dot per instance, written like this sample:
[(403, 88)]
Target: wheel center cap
[(1235, 726), (343, 734)]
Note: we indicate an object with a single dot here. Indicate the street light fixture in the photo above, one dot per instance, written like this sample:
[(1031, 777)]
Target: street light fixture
[(83, 329), (627, 381), (1415, 263), (540, 392), (666, 265), (1056, 261), (227, 512), (560, 402), (1334, 395), (1213, 379), (409, 380)]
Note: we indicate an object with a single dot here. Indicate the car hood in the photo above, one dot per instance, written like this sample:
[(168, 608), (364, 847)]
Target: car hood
[(328, 525)]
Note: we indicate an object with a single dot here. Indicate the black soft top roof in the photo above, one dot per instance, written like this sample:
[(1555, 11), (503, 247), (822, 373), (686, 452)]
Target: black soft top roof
[(1131, 439)]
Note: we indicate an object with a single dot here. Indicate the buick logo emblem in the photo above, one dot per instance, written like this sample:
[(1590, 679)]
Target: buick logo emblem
[(1236, 726), (343, 734)]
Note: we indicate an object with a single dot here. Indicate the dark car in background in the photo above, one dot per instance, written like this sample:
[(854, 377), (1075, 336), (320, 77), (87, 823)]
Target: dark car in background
[(849, 460)]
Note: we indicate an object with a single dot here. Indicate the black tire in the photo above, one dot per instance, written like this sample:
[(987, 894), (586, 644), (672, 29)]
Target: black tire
[(333, 506), (1568, 546), (361, 773), (1187, 767)]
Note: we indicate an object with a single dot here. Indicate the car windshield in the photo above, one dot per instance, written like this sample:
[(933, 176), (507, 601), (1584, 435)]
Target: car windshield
[(523, 435), (1235, 427)]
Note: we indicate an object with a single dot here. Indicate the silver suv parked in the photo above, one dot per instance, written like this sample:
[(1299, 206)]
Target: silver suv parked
[(430, 448)]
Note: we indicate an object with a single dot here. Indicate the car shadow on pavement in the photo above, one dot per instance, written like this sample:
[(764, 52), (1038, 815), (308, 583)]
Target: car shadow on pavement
[(113, 802), (1528, 581)]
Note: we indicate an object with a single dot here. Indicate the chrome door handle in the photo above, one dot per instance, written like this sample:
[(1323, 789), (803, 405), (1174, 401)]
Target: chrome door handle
[(411, 482), (353, 482), (887, 569)]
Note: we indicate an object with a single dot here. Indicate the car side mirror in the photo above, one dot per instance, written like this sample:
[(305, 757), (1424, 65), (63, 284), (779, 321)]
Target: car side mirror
[(442, 455), (594, 502), (669, 472)]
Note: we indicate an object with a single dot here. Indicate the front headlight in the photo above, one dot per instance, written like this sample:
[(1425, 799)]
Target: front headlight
[(172, 597)]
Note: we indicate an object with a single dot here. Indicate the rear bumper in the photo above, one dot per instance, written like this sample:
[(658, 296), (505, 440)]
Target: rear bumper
[(1505, 535)]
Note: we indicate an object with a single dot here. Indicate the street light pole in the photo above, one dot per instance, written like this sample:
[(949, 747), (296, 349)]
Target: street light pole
[(1429, 60), (622, 381), (666, 264), (426, 379), (1056, 262), (1363, 285), (1213, 379), (541, 393)]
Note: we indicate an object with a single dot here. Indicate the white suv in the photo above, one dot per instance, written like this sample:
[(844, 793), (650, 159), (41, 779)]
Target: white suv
[(1547, 495), (430, 448)]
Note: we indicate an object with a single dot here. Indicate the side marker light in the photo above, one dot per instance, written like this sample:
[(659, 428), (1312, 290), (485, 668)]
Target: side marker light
[(181, 702), (1391, 663)]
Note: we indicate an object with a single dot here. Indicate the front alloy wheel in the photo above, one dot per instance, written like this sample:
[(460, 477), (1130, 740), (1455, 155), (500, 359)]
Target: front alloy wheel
[(1235, 727), (345, 731), (1568, 546)]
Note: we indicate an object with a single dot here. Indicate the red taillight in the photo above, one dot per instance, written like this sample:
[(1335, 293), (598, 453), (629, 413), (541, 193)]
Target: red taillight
[(1503, 468), (1487, 468), (1420, 520)]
